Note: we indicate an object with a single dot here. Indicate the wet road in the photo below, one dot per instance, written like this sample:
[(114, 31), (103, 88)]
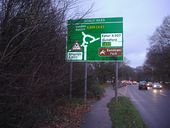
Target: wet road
[(153, 105)]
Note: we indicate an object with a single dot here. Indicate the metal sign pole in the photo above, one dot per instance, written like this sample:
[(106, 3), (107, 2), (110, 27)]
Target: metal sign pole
[(71, 79), (85, 84), (116, 87)]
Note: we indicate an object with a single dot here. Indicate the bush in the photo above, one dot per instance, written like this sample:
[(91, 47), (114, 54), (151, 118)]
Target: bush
[(96, 91)]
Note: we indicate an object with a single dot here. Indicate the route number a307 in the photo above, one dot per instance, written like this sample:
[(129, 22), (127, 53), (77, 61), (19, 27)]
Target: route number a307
[(116, 35)]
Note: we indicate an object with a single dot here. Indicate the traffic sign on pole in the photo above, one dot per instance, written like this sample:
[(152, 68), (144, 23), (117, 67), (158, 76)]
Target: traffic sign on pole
[(95, 40)]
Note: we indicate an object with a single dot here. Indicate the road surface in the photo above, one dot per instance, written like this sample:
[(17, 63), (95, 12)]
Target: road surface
[(153, 105)]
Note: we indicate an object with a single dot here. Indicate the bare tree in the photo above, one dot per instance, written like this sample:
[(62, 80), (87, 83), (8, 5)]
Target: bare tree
[(33, 71), (158, 55)]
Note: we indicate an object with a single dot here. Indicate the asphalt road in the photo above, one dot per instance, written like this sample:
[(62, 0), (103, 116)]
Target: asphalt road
[(152, 104)]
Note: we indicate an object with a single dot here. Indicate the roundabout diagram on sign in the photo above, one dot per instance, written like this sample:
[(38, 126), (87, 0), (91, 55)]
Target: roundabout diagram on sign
[(85, 43)]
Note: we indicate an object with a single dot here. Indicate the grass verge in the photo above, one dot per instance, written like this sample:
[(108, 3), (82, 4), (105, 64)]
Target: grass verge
[(124, 115)]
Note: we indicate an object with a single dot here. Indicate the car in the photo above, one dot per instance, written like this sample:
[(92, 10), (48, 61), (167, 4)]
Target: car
[(142, 85), (149, 84), (157, 85), (135, 82)]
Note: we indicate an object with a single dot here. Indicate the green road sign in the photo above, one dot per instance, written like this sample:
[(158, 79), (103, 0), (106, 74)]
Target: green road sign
[(97, 39)]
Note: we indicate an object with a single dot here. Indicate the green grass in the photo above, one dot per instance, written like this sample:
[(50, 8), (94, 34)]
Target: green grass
[(124, 115)]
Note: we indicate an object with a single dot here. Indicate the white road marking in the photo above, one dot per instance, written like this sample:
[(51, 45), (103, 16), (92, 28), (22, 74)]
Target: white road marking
[(162, 94)]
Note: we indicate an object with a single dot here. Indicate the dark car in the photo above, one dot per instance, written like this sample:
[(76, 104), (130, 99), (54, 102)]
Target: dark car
[(143, 85)]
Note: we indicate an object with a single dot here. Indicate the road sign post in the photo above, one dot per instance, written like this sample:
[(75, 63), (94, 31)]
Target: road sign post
[(95, 40), (85, 83), (116, 86), (71, 79)]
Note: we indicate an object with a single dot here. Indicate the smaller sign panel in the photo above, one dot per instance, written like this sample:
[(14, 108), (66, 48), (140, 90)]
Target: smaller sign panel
[(111, 39), (75, 55), (110, 52)]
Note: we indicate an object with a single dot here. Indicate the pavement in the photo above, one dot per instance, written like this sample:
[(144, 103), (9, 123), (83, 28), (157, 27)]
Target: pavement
[(99, 117)]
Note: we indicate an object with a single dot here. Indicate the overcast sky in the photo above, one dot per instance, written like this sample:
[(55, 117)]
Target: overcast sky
[(141, 18)]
